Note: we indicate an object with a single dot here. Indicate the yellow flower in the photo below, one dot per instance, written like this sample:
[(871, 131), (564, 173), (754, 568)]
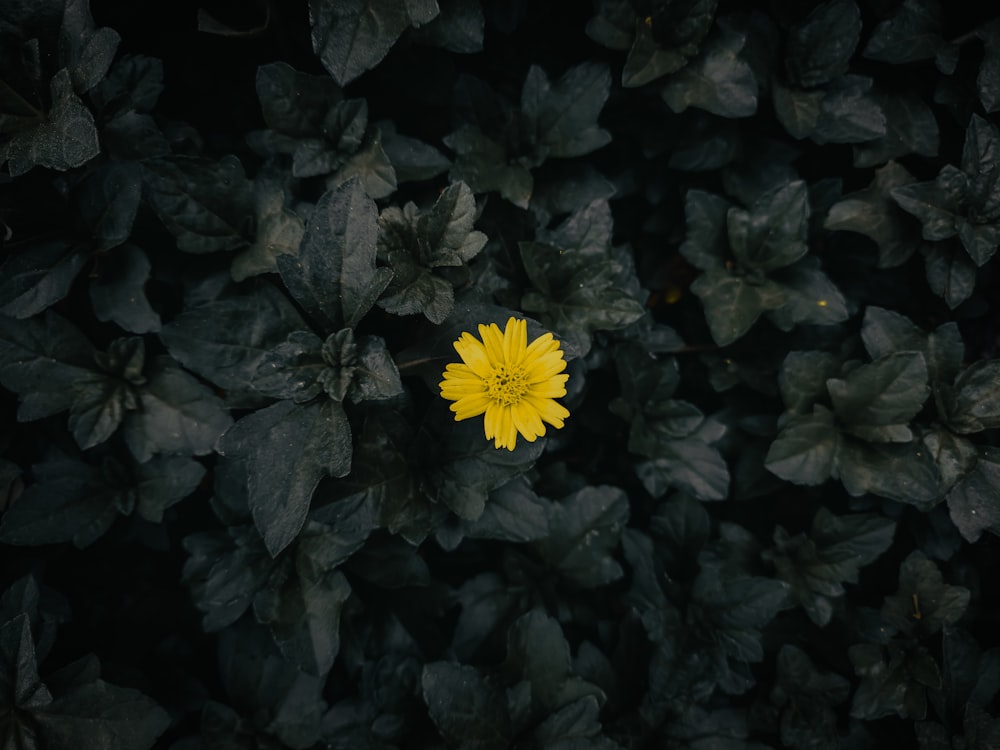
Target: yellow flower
[(511, 382)]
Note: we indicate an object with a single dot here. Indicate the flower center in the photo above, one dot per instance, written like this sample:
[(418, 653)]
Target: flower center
[(506, 385)]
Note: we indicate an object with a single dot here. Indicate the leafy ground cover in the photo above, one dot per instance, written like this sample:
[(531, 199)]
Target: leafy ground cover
[(238, 243)]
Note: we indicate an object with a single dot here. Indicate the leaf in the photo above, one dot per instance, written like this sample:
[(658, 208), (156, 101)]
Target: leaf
[(279, 231), (924, 603), (974, 502), (706, 242), (334, 276), (86, 50), (118, 290), (207, 206), (109, 202), (718, 80), (178, 415), (886, 332), (304, 618), (849, 112), (44, 359), (689, 464), (412, 160), (288, 448), (20, 686), (468, 708), (898, 686), (877, 400), (988, 80), (905, 472), (772, 234), (352, 37), (808, 695), (820, 47), (295, 369), (562, 118), (803, 379), (458, 28), (910, 128), (513, 513), (951, 275), (65, 139), (584, 530), (37, 277), (973, 402), (371, 165), (98, 715), (912, 34), (732, 304), (805, 450), (811, 297), (224, 339), (294, 103), (873, 213)]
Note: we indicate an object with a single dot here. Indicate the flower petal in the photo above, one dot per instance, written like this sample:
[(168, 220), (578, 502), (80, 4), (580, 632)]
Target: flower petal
[(515, 341), (527, 421), (550, 411), (470, 406), (493, 343), (474, 354)]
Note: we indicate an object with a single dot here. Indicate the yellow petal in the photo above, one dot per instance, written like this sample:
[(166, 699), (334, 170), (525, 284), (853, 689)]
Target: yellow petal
[(554, 387), (527, 421), (491, 422), (515, 341), (493, 343), (549, 410), (545, 367), (474, 354), (506, 432), (470, 406)]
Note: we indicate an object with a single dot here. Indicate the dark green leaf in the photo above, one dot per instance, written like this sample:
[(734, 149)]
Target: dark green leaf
[(910, 129), (974, 501), (44, 360), (575, 726), (65, 139), (288, 448), (295, 369), (891, 687), (468, 708), (483, 164), (718, 80), (873, 213), (886, 332), (334, 276), (905, 472), (458, 28), (225, 338), (807, 697), (563, 117), (584, 530), (772, 234), (950, 273), (819, 48), (207, 206), (877, 400), (304, 617), (706, 243), (805, 449), (849, 112), (177, 415), (733, 304), (164, 481), (38, 277), (691, 465), (513, 513), (924, 603), (973, 402), (803, 379), (913, 33), (20, 686), (279, 231), (118, 290), (109, 202), (798, 111), (371, 165), (352, 37), (412, 159), (294, 103), (931, 203), (988, 80), (85, 49), (811, 297), (646, 60)]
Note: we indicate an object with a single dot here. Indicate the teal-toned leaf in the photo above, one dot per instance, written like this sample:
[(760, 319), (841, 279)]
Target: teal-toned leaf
[(803, 379), (20, 686), (109, 202), (177, 415), (294, 103), (293, 369), (910, 129), (798, 111), (86, 49), (646, 60), (706, 242), (931, 203), (513, 513), (334, 277), (37, 277), (924, 603), (897, 686), (805, 449), (772, 233), (886, 332), (733, 304), (974, 500), (467, 707), (951, 275), (412, 159), (64, 139), (689, 464), (811, 297), (352, 37), (458, 28), (988, 79), (913, 33), (873, 213), (118, 290), (207, 206), (849, 112), (98, 715), (288, 448), (718, 80), (279, 231), (905, 472), (371, 165), (878, 400), (562, 118), (973, 402), (584, 529), (820, 47)]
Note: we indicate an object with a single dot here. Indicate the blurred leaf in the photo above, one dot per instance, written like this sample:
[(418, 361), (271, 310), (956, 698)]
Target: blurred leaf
[(877, 400), (974, 500), (912, 34), (972, 404), (910, 129), (468, 708), (820, 47), (886, 332), (118, 290), (718, 80), (279, 231), (562, 118), (807, 698), (109, 202), (924, 603), (37, 277)]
